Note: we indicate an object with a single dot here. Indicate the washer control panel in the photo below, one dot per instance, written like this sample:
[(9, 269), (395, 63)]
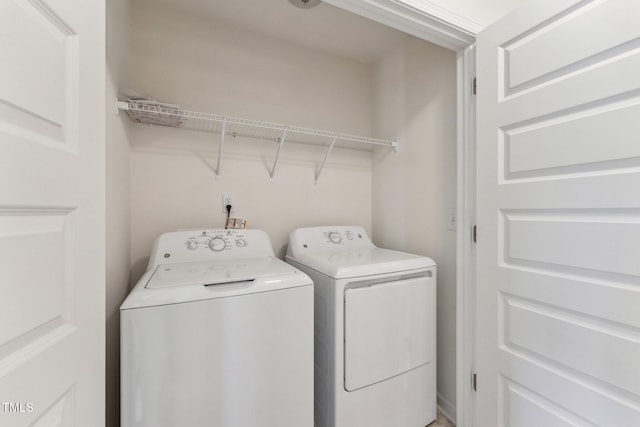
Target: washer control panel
[(202, 245), (217, 240)]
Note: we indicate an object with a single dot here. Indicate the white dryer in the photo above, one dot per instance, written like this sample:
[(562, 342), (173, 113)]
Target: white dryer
[(375, 317), (218, 332)]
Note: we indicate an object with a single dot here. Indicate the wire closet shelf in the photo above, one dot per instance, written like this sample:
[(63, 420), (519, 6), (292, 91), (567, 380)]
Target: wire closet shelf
[(156, 113)]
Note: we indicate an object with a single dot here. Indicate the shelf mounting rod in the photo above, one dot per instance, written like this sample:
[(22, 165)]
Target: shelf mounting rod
[(275, 162), (326, 155), (222, 134)]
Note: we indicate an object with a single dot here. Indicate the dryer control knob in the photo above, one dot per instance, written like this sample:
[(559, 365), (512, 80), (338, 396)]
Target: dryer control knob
[(335, 237), (241, 243), (192, 245)]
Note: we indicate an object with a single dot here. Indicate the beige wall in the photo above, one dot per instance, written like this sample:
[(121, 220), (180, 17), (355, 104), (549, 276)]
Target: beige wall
[(117, 203), (414, 189), (213, 67)]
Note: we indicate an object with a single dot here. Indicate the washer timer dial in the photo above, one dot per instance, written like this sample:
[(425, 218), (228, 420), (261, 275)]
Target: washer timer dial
[(217, 244)]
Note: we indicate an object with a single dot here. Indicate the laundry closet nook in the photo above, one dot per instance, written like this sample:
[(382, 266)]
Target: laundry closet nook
[(375, 112)]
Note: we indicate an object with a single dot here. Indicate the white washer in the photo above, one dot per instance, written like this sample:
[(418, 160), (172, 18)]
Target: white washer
[(375, 317), (218, 332)]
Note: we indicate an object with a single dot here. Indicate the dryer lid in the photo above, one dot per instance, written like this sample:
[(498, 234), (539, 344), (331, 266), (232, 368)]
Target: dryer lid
[(217, 272), (340, 264)]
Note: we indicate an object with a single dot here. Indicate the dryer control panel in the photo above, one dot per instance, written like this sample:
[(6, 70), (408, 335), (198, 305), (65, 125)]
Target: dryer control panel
[(210, 244), (339, 236), (320, 239)]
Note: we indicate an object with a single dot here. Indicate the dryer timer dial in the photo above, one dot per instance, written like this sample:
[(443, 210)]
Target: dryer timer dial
[(335, 237)]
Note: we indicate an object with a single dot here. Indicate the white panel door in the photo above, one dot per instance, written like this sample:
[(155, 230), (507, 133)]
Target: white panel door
[(558, 113), (52, 70)]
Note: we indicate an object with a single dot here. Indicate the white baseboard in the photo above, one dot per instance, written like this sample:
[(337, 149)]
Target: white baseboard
[(447, 408)]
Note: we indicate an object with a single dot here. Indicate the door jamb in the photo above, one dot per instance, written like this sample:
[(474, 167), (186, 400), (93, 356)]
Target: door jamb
[(465, 245)]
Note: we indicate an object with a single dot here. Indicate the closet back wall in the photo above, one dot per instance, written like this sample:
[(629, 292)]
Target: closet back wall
[(210, 66)]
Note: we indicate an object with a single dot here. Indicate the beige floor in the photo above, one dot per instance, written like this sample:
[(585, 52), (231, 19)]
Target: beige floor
[(441, 421)]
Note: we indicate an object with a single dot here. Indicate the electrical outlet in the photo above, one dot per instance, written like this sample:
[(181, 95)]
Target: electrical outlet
[(227, 199)]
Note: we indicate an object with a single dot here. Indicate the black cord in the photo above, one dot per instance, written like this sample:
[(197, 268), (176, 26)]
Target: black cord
[(228, 215)]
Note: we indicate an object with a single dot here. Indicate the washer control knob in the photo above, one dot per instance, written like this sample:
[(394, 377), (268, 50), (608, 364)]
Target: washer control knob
[(217, 244), (241, 243), (192, 245), (335, 237), (349, 235)]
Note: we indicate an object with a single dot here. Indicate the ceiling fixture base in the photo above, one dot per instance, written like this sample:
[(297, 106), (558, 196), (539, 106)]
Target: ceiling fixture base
[(305, 4)]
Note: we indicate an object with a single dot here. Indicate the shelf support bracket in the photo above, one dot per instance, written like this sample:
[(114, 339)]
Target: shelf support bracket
[(326, 155), (275, 162), (122, 105), (222, 134)]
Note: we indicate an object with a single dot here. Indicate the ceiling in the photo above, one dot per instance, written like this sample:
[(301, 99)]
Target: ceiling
[(325, 28)]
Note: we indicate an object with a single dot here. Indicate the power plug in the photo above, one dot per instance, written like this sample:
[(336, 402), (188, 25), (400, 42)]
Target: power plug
[(227, 199)]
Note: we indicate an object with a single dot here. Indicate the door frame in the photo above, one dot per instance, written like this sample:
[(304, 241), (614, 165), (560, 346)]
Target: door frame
[(430, 22), (465, 244), (420, 18)]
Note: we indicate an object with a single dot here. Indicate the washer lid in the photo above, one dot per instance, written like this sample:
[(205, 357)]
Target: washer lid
[(216, 272), (206, 280), (341, 264)]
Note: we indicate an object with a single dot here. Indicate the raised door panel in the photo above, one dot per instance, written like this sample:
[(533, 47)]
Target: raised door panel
[(38, 84), (36, 247)]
